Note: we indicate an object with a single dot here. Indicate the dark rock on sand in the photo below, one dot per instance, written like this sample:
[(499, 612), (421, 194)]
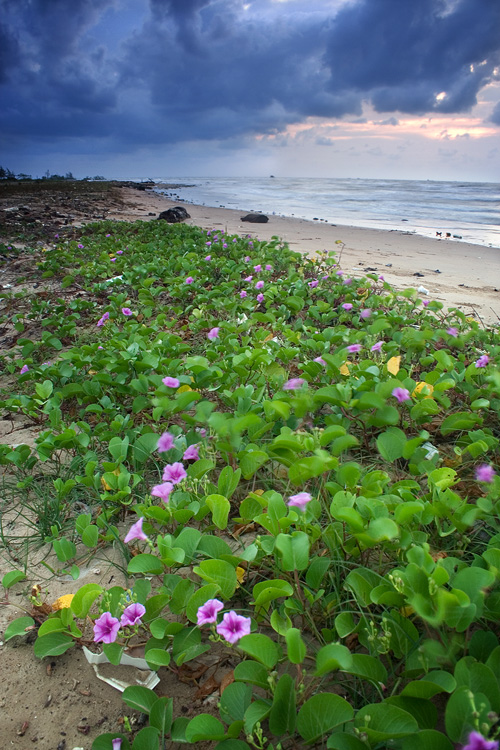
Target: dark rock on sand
[(174, 215), (255, 218)]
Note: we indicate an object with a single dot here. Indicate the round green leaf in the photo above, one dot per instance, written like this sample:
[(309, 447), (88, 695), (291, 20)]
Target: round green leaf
[(320, 714)]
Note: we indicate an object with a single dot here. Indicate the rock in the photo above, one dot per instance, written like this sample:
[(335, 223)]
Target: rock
[(174, 215), (255, 218)]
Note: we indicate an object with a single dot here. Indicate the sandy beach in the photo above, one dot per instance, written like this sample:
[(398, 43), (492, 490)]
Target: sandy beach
[(458, 274)]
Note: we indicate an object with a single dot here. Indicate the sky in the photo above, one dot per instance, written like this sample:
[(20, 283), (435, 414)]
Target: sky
[(138, 89)]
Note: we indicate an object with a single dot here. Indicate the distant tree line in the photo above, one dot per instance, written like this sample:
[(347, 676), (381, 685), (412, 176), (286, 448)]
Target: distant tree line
[(7, 174)]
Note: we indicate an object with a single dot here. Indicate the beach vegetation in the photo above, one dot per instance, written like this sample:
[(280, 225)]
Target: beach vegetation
[(299, 482)]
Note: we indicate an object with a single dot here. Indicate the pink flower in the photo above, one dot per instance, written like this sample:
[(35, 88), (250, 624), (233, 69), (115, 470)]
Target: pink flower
[(165, 442), (247, 259), (119, 252), (209, 243), (452, 332), (174, 473), (485, 473), (208, 257), (268, 267), (233, 627), (127, 311), (116, 744), (80, 247), (313, 284), (136, 532), (347, 306), (208, 612), (347, 282), (163, 491), (213, 334), (189, 280), (401, 395), (377, 347), (243, 294), (106, 628), (102, 320), (425, 302), (171, 382), (248, 278), (132, 615), (482, 361), (364, 314), (24, 369), (259, 285), (320, 361), (381, 278), (353, 348), (260, 298), (340, 273), (294, 384), (476, 741), (191, 453), (300, 500), (257, 268), (113, 260)]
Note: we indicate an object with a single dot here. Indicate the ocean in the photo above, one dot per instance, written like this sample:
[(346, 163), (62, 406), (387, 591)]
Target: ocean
[(468, 211)]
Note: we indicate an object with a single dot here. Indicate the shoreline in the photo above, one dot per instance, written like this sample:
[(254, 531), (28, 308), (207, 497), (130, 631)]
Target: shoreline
[(458, 274)]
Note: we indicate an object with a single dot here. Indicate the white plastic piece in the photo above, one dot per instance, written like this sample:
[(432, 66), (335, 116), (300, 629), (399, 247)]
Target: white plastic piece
[(431, 450), (150, 681), (423, 290)]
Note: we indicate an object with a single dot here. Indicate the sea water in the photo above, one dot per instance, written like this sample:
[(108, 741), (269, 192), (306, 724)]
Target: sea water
[(468, 211)]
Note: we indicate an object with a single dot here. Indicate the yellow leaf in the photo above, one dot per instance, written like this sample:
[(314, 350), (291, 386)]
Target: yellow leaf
[(92, 372), (344, 370), (184, 388), (393, 365), (269, 338), (427, 388), (106, 486), (240, 574), (407, 611), (64, 602)]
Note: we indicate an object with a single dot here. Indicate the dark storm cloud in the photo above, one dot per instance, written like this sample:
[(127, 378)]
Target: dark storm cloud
[(209, 69)]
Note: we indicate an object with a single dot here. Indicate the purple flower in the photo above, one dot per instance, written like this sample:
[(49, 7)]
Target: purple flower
[(135, 532), (364, 314), (247, 259), (452, 332), (80, 247), (171, 382), (425, 302), (233, 627), (257, 268), (353, 348), (165, 442), (213, 334), (208, 257), (347, 282), (248, 278), (113, 260), (163, 491), (320, 361), (106, 628), (485, 473), (119, 252), (191, 453), (208, 612), (174, 473), (476, 741), (102, 320), (259, 285), (116, 744), (401, 395), (127, 311), (340, 273), (347, 306), (243, 294), (482, 361), (132, 615), (377, 347), (314, 284), (294, 384), (208, 244), (269, 267), (300, 500), (189, 280), (24, 369), (260, 298)]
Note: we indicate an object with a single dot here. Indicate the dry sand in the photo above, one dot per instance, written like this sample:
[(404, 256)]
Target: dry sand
[(456, 273)]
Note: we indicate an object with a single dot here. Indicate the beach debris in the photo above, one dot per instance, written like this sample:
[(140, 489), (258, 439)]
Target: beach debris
[(388, 265), (418, 274), (439, 234), (423, 290), (437, 270), (457, 236), (255, 218), (174, 215)]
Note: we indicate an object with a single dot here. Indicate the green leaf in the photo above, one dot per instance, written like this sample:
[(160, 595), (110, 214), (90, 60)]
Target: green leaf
[(309, 467), (228, 481), (52, 644), (294, 550), (105, 741), (320, 714), (10, 579), (18, 627), (160, 715), (427, 739), (204, 727), (219, 507), (139, 698), (178, 731), (269, 590), (381, 722), (462, 420), (145, 563), (200, 468), (332, 657), (253, 673), (143, 447), (344, 741), (84, 598), (283, 712), (199, 598), (261, 648), (146, 739), (296, 648), (391, 444), (220, 572), (90, 536), (157, 657), (114, 652), (234, 701), (44, 390)]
